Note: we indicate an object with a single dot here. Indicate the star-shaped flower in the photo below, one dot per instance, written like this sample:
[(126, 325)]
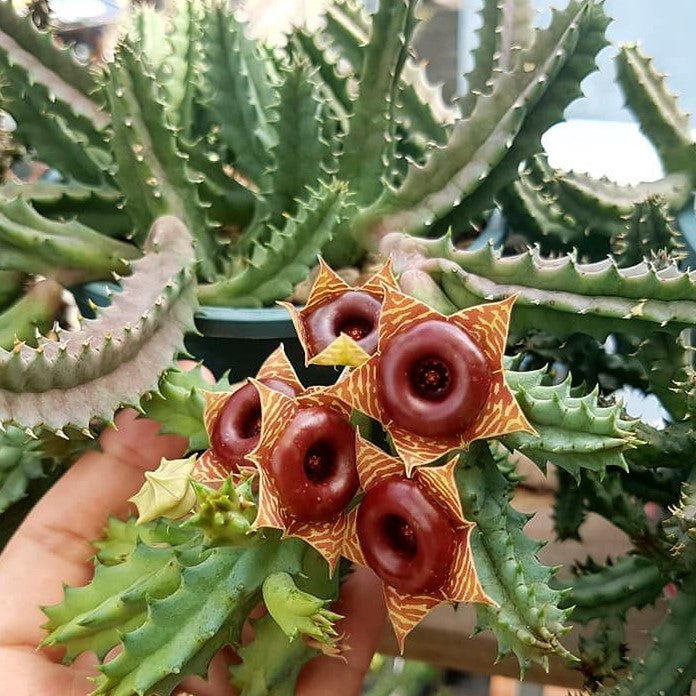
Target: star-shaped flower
[(436, 383), (306, 467), (396, 529), (338, 325), (213, 466)]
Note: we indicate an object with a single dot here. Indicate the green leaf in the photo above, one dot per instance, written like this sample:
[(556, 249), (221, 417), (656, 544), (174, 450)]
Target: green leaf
[(115, 358), (36, 245), (151, 171), (274, 268), (527, 619), (271, 663), (656, 109), (240, 91)]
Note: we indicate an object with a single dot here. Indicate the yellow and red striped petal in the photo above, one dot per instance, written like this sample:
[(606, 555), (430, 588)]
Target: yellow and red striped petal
[(374, 465), (343, 351), (278, 366)]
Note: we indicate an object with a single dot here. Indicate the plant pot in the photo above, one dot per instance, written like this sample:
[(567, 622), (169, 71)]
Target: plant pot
[(232, 341)]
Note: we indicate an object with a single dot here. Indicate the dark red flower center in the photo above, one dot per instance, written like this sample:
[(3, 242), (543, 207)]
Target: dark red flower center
[(431, 378), (320, 462), (401, 535)]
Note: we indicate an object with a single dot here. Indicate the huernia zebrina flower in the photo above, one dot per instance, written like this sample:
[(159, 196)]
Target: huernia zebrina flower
[(413, 534), (436, 383), (306, 466), (338, 325), (233, 421)]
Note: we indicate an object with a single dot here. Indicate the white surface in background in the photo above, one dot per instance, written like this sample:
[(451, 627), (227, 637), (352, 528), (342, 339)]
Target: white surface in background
[(614, 149), (68, 11), (646, 407)]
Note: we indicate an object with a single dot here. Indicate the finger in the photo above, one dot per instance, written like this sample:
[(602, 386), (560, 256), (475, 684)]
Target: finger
[(54, 543), (218, 681), (362, 604)]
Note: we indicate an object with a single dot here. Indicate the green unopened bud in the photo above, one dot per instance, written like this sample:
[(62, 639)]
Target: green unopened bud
[(298, 612), (226, 514), (167, 491)]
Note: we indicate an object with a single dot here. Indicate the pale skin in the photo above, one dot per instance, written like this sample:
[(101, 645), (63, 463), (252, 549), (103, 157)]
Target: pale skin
[(53, 547)]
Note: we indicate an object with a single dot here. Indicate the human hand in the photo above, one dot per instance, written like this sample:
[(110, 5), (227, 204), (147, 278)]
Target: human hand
[(53, 546)]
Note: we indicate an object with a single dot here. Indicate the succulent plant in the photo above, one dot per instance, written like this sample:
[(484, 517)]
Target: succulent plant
[(336, 145)]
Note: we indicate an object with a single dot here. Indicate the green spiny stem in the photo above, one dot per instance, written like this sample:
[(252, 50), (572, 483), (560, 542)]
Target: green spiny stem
[(527, 619), (560, 294), (96, 207), (115, 358), (669, 665), (660, 486), (271, 663), (67, 251), (231, 203), (181, 74), (33, 314), (611, 590), (11, 286), (479, 79), (363, 162), (573, 431), (151, 171), (21, 461), (529, 211), (147, 31), (178, 405), (609, 499), (421, 105), (568, 510), (673, 447), (211, 603), (94, 617), (485, 150), (334, 85), (240, 91), (413, 679), (667, 363), (604, 653), (225, 515), (656, 109), (58, 139), (298, 156), (273, 268), (606, 199), (47, 63), (506, 28), (650, 228)]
